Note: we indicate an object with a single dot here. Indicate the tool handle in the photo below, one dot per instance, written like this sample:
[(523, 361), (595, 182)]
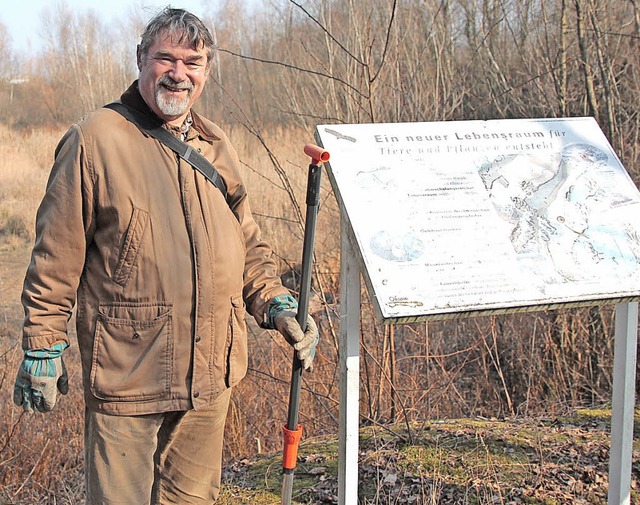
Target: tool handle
[(317, 154), (292, 430), (313, 200), (291, 442)]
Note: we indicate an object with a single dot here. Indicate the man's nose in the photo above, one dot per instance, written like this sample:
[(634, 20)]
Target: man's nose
[(178, 71)]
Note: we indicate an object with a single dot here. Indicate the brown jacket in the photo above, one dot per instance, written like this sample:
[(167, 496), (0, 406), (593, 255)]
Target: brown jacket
[(162, 265)]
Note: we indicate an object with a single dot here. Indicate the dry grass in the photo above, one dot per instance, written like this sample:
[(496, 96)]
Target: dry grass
[(272, 202), (444, 369), (26, 160), (41, 455)]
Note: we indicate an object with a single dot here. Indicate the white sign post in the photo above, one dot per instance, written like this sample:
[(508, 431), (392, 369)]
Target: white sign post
[(349, 350), (454, 219), (623, 403)]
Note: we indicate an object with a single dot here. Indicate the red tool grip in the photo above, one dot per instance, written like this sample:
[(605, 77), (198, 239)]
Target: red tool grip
[(290, 451), (318, 155)]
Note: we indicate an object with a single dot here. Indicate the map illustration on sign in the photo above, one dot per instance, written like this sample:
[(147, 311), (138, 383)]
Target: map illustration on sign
[(486, 216)]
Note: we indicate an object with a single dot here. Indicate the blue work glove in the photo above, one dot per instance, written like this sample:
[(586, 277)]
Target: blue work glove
[(41, 375), (281, 315)]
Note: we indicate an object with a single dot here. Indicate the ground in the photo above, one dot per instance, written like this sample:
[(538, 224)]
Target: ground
[(561, 461)]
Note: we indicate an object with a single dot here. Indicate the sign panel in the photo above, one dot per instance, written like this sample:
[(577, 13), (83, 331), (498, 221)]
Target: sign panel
[(460, 217)]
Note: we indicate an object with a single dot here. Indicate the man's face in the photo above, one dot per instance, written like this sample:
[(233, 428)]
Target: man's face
[(172, 77)]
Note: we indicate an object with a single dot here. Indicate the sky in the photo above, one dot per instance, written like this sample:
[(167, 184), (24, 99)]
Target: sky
[(22, 18)]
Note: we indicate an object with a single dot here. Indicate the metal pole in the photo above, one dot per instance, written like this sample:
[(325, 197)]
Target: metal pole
[(293, 431), (349, 359), (623, 403)]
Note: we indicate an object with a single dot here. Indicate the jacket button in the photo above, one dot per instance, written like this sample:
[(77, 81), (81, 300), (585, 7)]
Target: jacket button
[(136, 335), (196, 394), (197, 338)]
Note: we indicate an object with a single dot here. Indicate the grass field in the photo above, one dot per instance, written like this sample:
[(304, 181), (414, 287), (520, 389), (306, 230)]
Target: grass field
[(543, 460)]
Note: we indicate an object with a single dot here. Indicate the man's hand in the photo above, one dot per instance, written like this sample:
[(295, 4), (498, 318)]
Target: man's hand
[(303, 342), (41, 375)]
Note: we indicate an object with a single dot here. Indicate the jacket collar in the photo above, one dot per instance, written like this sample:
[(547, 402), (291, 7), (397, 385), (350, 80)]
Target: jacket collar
[(132, 98)]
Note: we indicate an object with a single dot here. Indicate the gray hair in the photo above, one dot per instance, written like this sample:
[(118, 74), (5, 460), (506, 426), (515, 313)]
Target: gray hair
[(181, 25)]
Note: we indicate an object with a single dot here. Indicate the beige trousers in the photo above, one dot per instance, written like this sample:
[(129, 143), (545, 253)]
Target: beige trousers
[(157, 459)]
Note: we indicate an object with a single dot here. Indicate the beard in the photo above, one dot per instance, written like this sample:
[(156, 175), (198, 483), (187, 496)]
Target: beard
[(172, 105)]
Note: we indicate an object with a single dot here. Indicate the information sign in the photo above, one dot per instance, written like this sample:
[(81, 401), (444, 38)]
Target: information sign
[(462, 217)]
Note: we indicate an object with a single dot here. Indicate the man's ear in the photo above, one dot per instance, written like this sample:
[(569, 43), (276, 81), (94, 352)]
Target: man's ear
[(138, 57)]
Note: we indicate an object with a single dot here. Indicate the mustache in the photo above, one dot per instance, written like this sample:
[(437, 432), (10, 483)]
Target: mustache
[(169, 82)]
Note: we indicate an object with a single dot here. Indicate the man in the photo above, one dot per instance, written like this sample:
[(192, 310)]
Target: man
[(162, 267)]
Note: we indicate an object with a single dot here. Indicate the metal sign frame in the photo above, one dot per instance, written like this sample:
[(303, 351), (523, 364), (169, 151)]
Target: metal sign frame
[(355, 264)]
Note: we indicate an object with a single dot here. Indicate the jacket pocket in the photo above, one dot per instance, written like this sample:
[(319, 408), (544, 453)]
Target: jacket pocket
[(131, 246), (132, 352), (237, 353)]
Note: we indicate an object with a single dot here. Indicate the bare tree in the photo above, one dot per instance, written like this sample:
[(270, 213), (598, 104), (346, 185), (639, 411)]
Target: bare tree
[(7, 63)]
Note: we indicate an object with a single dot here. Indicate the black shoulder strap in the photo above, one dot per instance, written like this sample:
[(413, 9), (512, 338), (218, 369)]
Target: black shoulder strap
[(185, 151)]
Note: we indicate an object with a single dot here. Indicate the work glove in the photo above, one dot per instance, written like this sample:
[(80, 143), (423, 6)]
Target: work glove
[(41, 375), (282, 316)]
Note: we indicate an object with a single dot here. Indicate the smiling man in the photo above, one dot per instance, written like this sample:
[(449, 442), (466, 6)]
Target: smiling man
[(162, 265), (173, 71)]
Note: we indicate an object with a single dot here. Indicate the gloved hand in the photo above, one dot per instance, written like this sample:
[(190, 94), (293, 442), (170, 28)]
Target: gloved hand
[(303, 342), (41, 375), (282, 316)]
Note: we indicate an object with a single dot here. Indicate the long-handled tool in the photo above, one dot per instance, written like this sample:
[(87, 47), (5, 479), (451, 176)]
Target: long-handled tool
[(292, 431)]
